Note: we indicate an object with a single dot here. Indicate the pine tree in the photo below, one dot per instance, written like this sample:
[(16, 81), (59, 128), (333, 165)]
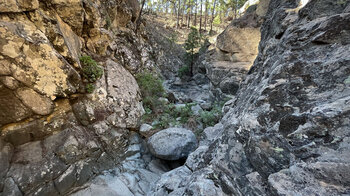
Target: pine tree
[(192, 42)]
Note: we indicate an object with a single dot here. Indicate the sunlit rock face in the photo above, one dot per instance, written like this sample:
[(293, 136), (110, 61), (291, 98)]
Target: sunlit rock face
[(54, 136), (287, 130), (227, 64)]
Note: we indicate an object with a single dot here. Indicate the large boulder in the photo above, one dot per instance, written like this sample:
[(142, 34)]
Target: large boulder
[(172, 143), (240, 44), (236, 48)]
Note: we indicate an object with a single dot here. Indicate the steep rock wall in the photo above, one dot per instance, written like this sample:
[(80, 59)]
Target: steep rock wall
[(55, 136), (287, 130)]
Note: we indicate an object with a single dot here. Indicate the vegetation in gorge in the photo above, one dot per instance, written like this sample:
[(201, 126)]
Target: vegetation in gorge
[(192, 42), (184, 71), (210, 118), (151, 88), (162, 114), (91, 71), (195, 45), (195, 40)]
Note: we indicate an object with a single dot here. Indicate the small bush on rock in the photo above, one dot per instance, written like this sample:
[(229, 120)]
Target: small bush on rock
[(91, 71), (151, 88), (90, 88), (210, 118)]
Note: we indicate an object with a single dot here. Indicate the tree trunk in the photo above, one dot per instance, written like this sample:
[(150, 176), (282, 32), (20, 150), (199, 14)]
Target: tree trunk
[(236, 9), (166, 8), (178, 15), (138, 21), (189, 14), (212, 18), (200, 20), (206, 15), (175, 9), (195, 13), (191, 64), (183, 12)]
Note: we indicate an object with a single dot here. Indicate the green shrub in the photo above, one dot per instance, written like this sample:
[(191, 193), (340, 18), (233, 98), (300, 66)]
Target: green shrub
[(341, 2), (184, 71), (347, 81), (193, 40), (171, 116), (90, 88), (217, 20), (150, 85), (151, 88), (91, 71), (184, 113), (164, 120), (208, 118)]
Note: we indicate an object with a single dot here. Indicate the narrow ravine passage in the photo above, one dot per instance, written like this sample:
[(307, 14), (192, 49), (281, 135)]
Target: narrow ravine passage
[(150, 98), (140, 170)]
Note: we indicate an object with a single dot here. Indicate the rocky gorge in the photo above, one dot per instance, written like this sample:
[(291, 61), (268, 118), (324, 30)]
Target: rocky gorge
[(284, 131)]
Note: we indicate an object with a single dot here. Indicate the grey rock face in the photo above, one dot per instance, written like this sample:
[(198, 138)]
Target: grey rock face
[(64, 160), (287, 131), (172, 143), (227, 76), (11, 188), (171, 181), (134, 176), (145, 130), (186, 92), (200, 79), (6, 152)]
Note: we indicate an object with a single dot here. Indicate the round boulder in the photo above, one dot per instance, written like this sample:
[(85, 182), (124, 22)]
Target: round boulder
[(172, 144)]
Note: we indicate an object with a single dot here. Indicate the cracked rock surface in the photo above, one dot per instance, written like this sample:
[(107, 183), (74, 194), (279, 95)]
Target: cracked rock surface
[(287, 130)]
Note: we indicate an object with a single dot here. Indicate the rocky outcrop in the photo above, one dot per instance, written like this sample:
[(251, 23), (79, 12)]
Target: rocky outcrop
[(236, 49), (287, 130), (54, 135)]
